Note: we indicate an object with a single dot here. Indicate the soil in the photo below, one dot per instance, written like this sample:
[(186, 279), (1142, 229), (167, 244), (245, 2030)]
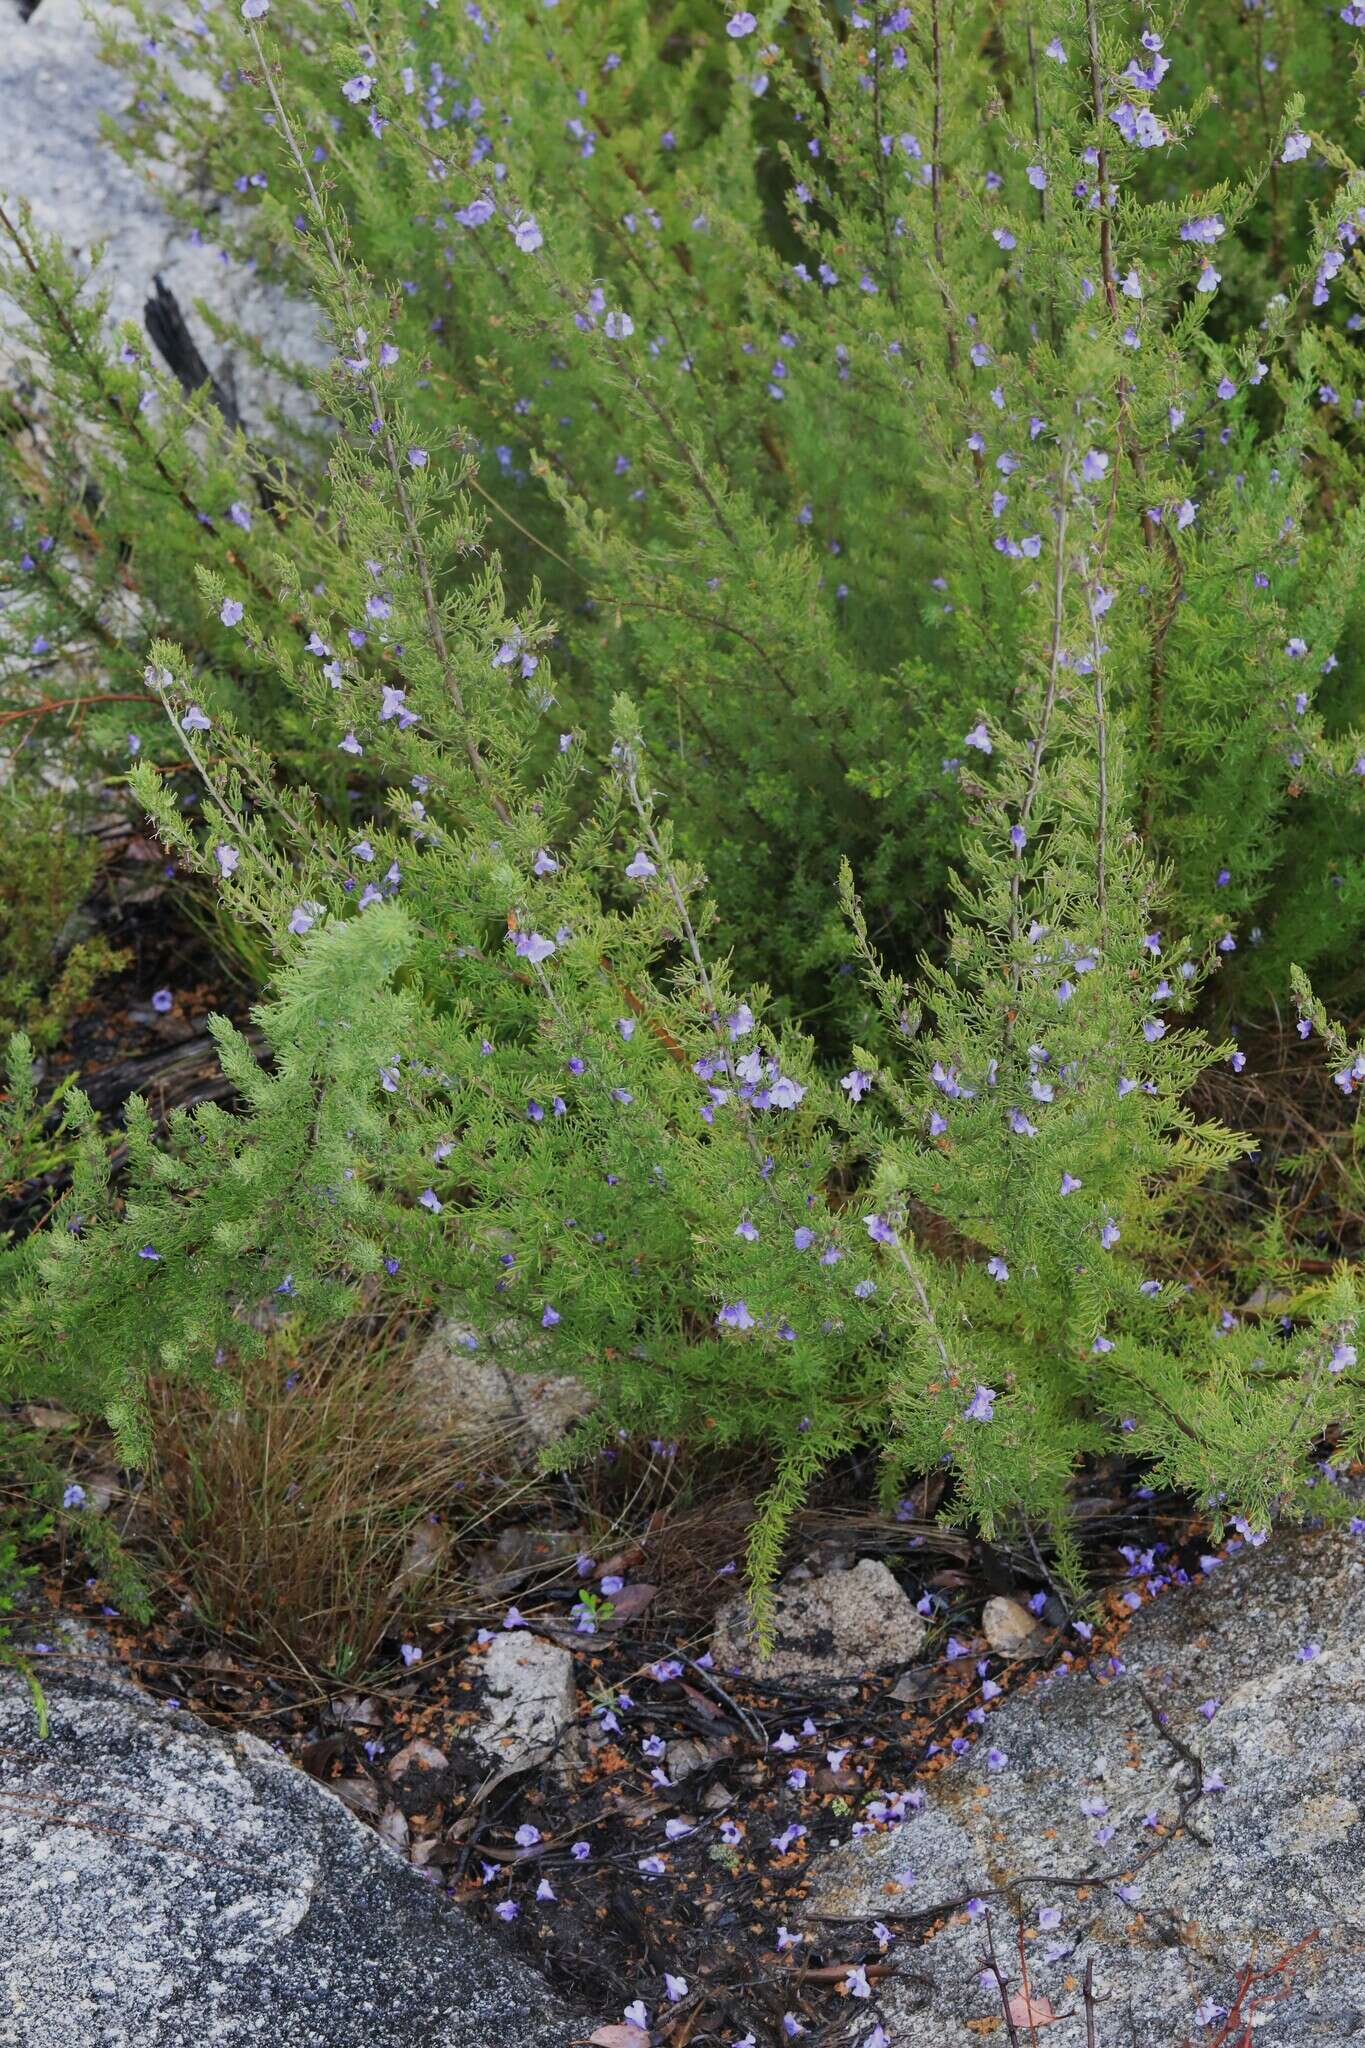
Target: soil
[(777, 1773)]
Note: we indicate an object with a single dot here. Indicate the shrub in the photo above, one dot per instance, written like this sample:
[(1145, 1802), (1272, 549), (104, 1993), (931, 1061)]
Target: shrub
[(46, 968), (763, 513), (1082, 697)]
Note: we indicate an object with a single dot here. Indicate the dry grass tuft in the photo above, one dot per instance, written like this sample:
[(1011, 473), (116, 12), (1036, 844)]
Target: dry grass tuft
[(322, 1513)]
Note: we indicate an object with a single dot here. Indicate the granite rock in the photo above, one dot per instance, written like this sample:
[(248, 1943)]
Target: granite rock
[(166, 1886), (834, 1625), (531, 1703), (54, 91), (1218, 1777), (485, 1385)]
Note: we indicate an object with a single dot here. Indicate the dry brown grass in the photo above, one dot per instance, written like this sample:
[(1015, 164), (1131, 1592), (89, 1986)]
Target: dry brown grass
[(323, 1512)]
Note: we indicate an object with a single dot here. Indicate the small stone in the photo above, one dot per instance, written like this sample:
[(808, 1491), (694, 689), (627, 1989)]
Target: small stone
[(531, 1705), (46, 1415), (837, 1625), (485, 1386), (1009, 1627)]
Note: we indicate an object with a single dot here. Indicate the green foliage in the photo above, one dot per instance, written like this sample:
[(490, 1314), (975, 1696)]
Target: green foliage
[(45, 875), (743, 453), (760, 514)]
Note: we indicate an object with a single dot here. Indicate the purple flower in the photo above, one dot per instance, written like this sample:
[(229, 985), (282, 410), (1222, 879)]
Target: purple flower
[(255, 10), (741, 24), (531, 946), (550, 1318), (527, 234), (417, 458), (979, 738), (879, 1230), (227, 858), (1069, 1184), (1296, 147), (231, 611), (641, 867), (857, 1083), (358, 88), (429, 1199), (981, 1407), (73, 1496), (194, 720), (163, 1002), (735, 1316)]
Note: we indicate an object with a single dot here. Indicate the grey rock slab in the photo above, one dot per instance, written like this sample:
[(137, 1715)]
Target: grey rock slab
[(1276, 1636), (166, 1886), (834, 1625), (54, 91)]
